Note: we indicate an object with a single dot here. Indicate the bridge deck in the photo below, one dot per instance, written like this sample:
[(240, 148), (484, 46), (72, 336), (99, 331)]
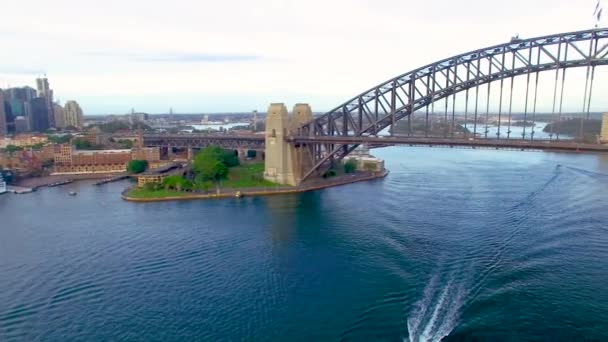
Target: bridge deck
[(257, 141), (487, 143)]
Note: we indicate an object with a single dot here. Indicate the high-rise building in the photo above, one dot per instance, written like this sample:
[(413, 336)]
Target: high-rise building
[(21, 124), (23, 94), (39, 114), (3, 126), (59, 116), (18, 100), (44, 91), (72, 115)]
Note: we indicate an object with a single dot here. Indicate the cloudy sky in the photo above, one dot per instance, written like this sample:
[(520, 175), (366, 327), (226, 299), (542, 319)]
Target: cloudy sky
[(239, 55)]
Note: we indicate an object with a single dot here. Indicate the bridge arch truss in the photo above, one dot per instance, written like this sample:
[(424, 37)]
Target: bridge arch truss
[(383, 105)]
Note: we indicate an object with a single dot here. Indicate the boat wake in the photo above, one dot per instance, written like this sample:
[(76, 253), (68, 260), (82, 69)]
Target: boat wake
[(437, 313)]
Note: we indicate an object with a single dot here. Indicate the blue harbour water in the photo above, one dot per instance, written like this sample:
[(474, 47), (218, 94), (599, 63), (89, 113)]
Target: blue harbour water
[(454, 244)]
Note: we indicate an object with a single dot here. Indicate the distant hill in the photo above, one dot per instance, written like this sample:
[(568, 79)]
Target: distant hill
[(572, 127)]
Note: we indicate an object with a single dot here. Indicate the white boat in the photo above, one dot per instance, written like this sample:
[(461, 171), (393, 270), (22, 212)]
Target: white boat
[(2, 185)]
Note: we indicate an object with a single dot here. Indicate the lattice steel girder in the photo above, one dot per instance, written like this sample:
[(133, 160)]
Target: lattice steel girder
[(398, 97), (201, 140)]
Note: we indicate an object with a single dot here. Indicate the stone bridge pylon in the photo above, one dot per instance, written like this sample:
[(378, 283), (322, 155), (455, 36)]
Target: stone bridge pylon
[(286, 162)]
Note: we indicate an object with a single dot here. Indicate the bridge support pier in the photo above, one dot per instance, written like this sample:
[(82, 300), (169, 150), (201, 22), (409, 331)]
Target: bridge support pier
[(242, 153), (286, 163), (302, 157), (170, 153), (190, 153), (278, 166)]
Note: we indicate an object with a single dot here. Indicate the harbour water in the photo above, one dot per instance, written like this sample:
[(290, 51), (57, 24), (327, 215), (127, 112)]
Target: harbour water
[(454, 244)]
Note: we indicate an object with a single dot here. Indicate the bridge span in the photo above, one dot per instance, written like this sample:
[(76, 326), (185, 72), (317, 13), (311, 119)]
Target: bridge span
[(298, 145), (518, 144), (257, 142)]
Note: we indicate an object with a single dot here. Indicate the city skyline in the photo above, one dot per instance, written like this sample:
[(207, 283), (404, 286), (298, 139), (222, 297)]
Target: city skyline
[(239, 58)]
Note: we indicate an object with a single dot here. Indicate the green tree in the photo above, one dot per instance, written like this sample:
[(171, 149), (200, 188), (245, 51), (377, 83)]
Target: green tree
[(137, 166), (177, 183), (230, 158), (12, 148), (60, 139), (126, 143), (38, 146), (211, 163), (210, 169), (82, 144), (350, 166), (151, 186)]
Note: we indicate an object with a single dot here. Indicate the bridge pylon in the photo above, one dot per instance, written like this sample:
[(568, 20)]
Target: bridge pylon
[(278, 166), (286, 162), (604, 132)]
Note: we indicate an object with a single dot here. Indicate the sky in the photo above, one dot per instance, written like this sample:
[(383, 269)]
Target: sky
[(202, 56)]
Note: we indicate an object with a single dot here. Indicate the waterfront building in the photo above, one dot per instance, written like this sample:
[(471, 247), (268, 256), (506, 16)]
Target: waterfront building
[(3, 116), (604, 131), (365, 161), (69, 160), (72, 115), (45, 92), (25, 140), (39, 115), (150, 154), (145, 178)]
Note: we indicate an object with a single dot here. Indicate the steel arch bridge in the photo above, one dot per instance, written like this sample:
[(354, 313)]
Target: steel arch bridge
[(381, 106)]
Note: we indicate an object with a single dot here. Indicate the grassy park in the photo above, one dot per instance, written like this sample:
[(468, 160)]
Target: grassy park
[(212, 169)]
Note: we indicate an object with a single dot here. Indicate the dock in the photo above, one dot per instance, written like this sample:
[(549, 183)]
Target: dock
[(19, 190), (64, 182), (112, 179)]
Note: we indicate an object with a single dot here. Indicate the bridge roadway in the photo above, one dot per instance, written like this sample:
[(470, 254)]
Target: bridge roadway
[(256, 142), (560, 145)]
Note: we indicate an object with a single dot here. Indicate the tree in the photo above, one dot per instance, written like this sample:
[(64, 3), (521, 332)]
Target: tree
[(137, 166), (60, 139), (151, 186), (12, 148), (210, 169), (126, 143), (82, 144), (177, 183), (211, 163), (230, 158), (350, 166)]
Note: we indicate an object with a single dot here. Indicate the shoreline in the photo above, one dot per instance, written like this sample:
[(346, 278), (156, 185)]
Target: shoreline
[(39, 182), (258, 193)]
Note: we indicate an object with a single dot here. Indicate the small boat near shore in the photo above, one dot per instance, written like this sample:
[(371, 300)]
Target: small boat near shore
[(72, 193)]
